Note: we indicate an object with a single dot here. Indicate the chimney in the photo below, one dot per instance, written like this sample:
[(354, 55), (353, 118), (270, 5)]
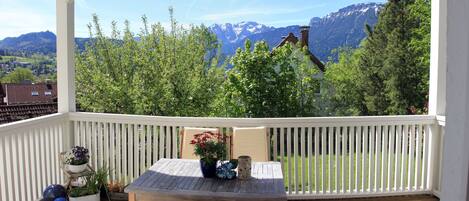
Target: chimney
[(304, 36)]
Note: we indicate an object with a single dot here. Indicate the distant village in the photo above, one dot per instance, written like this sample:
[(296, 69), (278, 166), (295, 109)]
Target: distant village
[(39, 65)]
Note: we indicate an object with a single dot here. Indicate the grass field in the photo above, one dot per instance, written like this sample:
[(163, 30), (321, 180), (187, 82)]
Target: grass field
[(335, 173)]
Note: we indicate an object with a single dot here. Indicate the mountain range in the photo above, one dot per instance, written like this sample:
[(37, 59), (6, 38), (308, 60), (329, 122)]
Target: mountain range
[(342, 28)]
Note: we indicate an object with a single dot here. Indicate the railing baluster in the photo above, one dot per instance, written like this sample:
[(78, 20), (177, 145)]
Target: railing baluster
[(282, 148), (295, 158), (384, 164), (330, 153), (411, 170), (351, 157), (371, 181), (397, 166), (404, 172), (118, 171), (174, 142), (303, 163), (289, 167), (425, 157), (125, 147), (337, 154), (364, 159), (323, 159), (316, 159), (310, 159), (136, 147), (391, 156), (378, 158), (344, 151), (418, 155), (357, 145)]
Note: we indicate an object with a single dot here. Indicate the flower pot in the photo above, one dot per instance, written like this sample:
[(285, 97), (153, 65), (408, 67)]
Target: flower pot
[(209, 169), (94, 197), (77, 168)]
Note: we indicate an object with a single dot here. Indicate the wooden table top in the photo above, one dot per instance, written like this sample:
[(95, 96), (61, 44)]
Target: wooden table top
[(182, 177)]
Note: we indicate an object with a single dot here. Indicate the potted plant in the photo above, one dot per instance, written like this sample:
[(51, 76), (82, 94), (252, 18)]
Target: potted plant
[(210, 147), (116, 191), (92, 188), (77, 159)]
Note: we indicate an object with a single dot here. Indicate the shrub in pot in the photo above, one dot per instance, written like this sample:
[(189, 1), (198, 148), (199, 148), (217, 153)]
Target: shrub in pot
[(210, 147), (116, 191), (92, 188), (77, 159)]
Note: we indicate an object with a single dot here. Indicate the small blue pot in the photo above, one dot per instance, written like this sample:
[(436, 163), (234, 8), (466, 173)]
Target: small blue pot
[(209, 170)]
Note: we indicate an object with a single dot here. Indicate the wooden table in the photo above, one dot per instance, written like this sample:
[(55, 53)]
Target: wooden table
[(179, 179)]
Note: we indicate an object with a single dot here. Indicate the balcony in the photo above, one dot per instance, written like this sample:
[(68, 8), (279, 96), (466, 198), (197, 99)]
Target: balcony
[(336, 157), (333, 157)]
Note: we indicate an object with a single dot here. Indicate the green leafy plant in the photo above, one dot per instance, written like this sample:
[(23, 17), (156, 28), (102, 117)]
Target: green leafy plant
[(209, 146), (94, 183)]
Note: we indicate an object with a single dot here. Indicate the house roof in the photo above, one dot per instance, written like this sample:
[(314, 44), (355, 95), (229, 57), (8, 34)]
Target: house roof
[(17, 94), (293, 39), (11, 113)]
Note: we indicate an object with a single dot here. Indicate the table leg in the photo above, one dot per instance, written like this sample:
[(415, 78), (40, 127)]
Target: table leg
[(132, 196)]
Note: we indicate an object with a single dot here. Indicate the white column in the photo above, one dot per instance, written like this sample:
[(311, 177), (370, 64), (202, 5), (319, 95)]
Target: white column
[(437, 89), (437, 94), (456, 140), (65, 55)]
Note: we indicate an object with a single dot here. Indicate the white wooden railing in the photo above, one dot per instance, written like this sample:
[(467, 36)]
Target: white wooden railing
[(29, 156), (322, 157)]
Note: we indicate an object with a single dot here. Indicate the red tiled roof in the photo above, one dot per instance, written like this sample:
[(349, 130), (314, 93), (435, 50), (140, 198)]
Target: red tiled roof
[(11, 113), (17, 94)]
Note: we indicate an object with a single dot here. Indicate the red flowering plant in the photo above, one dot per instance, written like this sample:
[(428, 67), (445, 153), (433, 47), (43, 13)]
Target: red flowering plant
[(209, 146)]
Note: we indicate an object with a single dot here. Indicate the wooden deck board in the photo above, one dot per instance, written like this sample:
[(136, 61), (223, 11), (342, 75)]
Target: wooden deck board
[(393, 198)]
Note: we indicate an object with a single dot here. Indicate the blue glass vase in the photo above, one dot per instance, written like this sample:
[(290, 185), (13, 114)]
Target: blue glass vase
[(208, 167)]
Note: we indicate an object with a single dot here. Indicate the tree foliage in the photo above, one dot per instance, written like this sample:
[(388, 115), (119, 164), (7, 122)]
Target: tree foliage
[(156, 72), (19, 75), (262, 83), (391, 66)]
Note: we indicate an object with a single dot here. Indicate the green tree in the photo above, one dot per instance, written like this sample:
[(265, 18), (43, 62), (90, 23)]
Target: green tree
[(172, 73), (392, 77), (19, 75), (262, 83), (343, 85)]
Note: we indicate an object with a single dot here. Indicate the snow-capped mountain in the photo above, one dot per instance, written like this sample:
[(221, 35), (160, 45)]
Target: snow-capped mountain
[(229, 34), (342, 28)]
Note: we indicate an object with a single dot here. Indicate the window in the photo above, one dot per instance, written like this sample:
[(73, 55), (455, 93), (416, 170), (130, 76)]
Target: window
[(34, 93), (48, 93)]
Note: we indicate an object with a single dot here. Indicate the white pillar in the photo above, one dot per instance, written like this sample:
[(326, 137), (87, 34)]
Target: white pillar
[(437, 93), (65, 55), (456, 140), (437, 89)]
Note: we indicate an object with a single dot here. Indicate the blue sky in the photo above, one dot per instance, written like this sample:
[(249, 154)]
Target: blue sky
[(22, 16)]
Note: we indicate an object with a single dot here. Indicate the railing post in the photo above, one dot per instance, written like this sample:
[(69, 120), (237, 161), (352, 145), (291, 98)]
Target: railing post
[(434, 163)]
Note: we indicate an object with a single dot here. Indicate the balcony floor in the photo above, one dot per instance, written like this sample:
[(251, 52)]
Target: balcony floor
[(393, 198)]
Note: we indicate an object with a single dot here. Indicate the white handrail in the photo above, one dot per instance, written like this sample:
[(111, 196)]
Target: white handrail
[(268, 122)]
